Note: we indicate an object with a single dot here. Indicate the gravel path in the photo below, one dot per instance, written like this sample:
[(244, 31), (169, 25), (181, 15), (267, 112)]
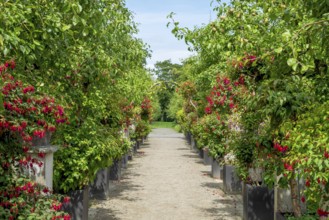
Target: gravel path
[(166, 180)]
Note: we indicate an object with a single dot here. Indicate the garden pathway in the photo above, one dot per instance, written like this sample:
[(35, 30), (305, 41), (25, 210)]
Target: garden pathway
[(166, 180)]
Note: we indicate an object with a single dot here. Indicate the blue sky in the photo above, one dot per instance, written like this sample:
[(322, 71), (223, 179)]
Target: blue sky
[(151, 17)]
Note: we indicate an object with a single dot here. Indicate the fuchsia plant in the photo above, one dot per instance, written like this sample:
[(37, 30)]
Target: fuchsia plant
[(26, 116)]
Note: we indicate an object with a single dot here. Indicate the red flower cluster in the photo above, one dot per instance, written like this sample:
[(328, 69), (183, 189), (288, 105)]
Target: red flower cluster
[(322, 213), (282, 149), (9, 64), (222, 95), (288, 166), (146, 106), (326, 154), (29, 115), (247, 61), (56, 206)]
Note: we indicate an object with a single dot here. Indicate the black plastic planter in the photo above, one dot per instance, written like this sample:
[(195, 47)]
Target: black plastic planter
[(115, 170), (216, 170), (231, 181), (78, 205), (201, 153), (207, 160), (125, 161), (258, 203), (99, 189), (188, 137)]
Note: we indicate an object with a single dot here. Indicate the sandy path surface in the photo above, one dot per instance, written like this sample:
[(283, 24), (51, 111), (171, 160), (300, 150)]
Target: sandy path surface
[(166, 180)]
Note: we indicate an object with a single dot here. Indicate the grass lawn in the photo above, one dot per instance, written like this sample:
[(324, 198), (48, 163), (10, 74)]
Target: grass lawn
[(161, 124)]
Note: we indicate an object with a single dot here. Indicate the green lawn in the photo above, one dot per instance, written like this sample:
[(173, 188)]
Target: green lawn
[(161, 124)]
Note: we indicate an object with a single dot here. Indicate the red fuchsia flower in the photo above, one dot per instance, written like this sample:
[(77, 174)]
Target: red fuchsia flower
[(52, 128), (41, 154), (47, 109), (27, 138), (308, 183), (208, 110), (326, 154), (24, 124), (39, 133), (280, 148), (60, 110), (210, 101), (66, 199), (322, 213), (67, 217), (56, 207), (25, 149), (28, 89), (288, 167), (236, 83), (226, 81), (231, 105), (45, 190), (303, 199), (241, 80)]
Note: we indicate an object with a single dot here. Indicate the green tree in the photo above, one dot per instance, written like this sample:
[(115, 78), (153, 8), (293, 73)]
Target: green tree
[(167, 74)]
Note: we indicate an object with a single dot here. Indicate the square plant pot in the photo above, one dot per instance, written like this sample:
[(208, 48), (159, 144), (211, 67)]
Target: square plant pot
[(258, 202), (188, 138), (200, 153), (284, 203), (115, 170), (216, 170), (207, 159), (78, 205), (99, 188), (231, 181), (124, 161)]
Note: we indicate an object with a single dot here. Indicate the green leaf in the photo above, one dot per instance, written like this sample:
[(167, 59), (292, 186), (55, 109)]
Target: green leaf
[(292, 61), (66, 27), (278, 50)]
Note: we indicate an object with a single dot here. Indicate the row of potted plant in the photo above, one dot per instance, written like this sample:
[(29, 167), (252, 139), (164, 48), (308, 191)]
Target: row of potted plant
[(255, 93), (69, 66)]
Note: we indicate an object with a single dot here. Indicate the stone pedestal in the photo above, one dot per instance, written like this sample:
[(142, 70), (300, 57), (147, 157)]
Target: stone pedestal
[(43, 174)]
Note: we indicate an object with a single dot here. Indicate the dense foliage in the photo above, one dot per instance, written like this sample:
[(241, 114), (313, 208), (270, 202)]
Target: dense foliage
[(84, 55), (280, 50)]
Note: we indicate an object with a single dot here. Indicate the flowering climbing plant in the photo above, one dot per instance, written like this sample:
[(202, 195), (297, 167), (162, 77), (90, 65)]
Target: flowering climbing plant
[(25, 116)]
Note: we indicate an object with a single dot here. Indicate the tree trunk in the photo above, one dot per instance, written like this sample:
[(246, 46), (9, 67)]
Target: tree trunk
[(295, 196)]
